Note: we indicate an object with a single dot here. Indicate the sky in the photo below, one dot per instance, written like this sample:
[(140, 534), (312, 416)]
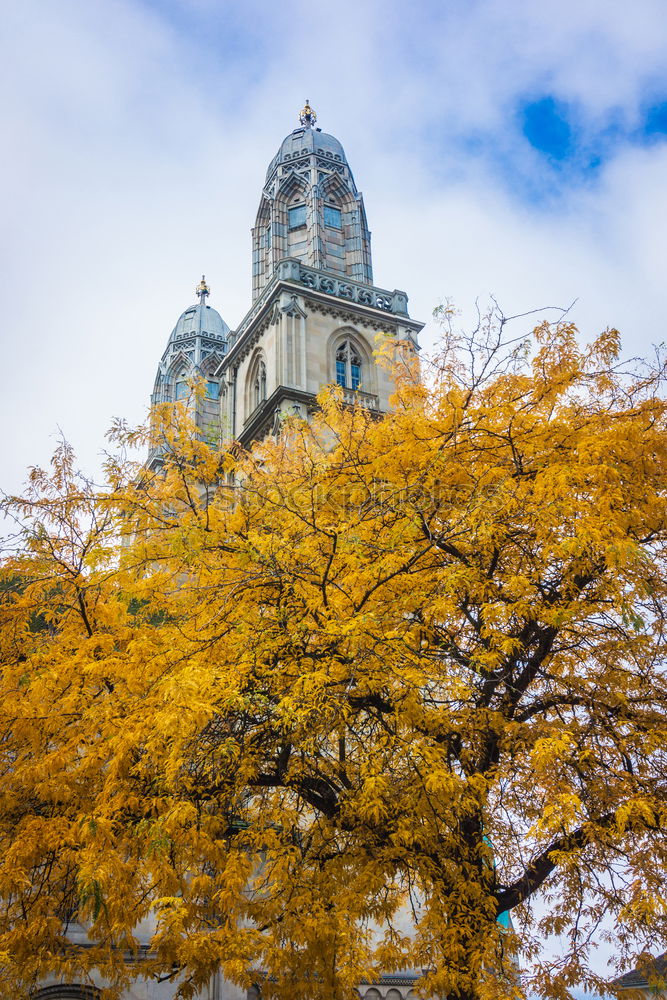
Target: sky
[(504, 147)]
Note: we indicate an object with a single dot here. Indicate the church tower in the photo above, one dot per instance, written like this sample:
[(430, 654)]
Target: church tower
[(310, 209), (195, 350), (314, 319), (315, 312)]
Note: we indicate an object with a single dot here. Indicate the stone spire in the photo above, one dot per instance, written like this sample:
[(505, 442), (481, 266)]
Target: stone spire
[(310, 209)]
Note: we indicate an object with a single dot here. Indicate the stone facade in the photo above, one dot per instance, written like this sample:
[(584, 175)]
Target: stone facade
[(311, 210), (286, 347)]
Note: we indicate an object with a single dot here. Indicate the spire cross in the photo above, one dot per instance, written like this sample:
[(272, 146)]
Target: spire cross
[(307, 115), (202, 290)]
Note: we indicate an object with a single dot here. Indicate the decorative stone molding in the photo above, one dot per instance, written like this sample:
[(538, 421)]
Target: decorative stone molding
[(351, 315), (354, 291), (355, 397), (383, 991), (292, 308), (67, 991), (390, 987)]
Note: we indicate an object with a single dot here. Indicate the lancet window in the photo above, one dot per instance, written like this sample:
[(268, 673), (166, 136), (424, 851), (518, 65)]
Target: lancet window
[(297, 217), (259, 387), (332, 217), (348, 366)]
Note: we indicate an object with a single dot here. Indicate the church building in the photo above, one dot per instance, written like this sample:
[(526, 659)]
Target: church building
[(313, 321), (315, 311)]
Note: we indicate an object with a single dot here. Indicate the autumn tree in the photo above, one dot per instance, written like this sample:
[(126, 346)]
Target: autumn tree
[(343, 703)]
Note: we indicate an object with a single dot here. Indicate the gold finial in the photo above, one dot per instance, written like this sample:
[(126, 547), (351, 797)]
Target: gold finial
[(307, 116), (202, 289)]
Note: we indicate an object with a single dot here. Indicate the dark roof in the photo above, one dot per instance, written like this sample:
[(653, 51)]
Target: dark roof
[(652, 968)]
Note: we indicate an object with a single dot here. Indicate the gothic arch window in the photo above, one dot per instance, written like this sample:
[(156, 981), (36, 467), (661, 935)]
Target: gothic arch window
[(259, 385), (291, 203), (348, 365), (256, 383), (178, 373), (209, 372), (336, 194)]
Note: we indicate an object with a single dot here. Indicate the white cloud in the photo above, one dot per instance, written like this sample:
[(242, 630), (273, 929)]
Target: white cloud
[(139, 135)]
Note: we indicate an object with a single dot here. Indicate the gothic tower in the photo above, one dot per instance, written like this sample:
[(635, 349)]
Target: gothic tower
[(195, 349), (315, 313), (310, 209), (313, 321)]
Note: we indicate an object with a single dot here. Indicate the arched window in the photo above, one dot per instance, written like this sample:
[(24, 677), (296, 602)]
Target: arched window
[(259, 385), (348, 366)]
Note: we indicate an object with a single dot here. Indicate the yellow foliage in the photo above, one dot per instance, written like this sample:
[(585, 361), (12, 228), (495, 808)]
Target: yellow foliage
[(277, 701)]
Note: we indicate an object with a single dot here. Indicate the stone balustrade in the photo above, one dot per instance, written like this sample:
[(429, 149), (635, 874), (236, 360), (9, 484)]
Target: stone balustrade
[(293, 270), (355, 397), (344, 288)]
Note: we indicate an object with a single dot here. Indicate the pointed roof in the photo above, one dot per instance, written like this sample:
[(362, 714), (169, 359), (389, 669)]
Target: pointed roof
[(199, 321), (306, 140)]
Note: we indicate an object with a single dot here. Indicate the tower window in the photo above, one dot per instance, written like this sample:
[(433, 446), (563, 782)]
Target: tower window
[(213, 390), (332, 217), (268, 237), (181, 389), (257, 388), (297, 217), (348, 366)]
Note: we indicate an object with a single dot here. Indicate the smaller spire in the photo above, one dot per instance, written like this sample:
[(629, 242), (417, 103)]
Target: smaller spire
[(202, 290), (307, 116)]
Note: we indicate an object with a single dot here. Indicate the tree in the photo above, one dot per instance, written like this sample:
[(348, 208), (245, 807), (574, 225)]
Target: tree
[(339, 704)]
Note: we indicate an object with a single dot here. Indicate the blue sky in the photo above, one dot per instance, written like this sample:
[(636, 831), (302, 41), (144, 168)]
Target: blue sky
[(504, 147)]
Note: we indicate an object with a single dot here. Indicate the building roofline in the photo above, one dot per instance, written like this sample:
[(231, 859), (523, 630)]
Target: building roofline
[(655, 968)]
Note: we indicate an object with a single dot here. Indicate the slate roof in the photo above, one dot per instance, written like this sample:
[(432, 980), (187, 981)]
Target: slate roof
[(638, 978), (200, 320), (308, 141)]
